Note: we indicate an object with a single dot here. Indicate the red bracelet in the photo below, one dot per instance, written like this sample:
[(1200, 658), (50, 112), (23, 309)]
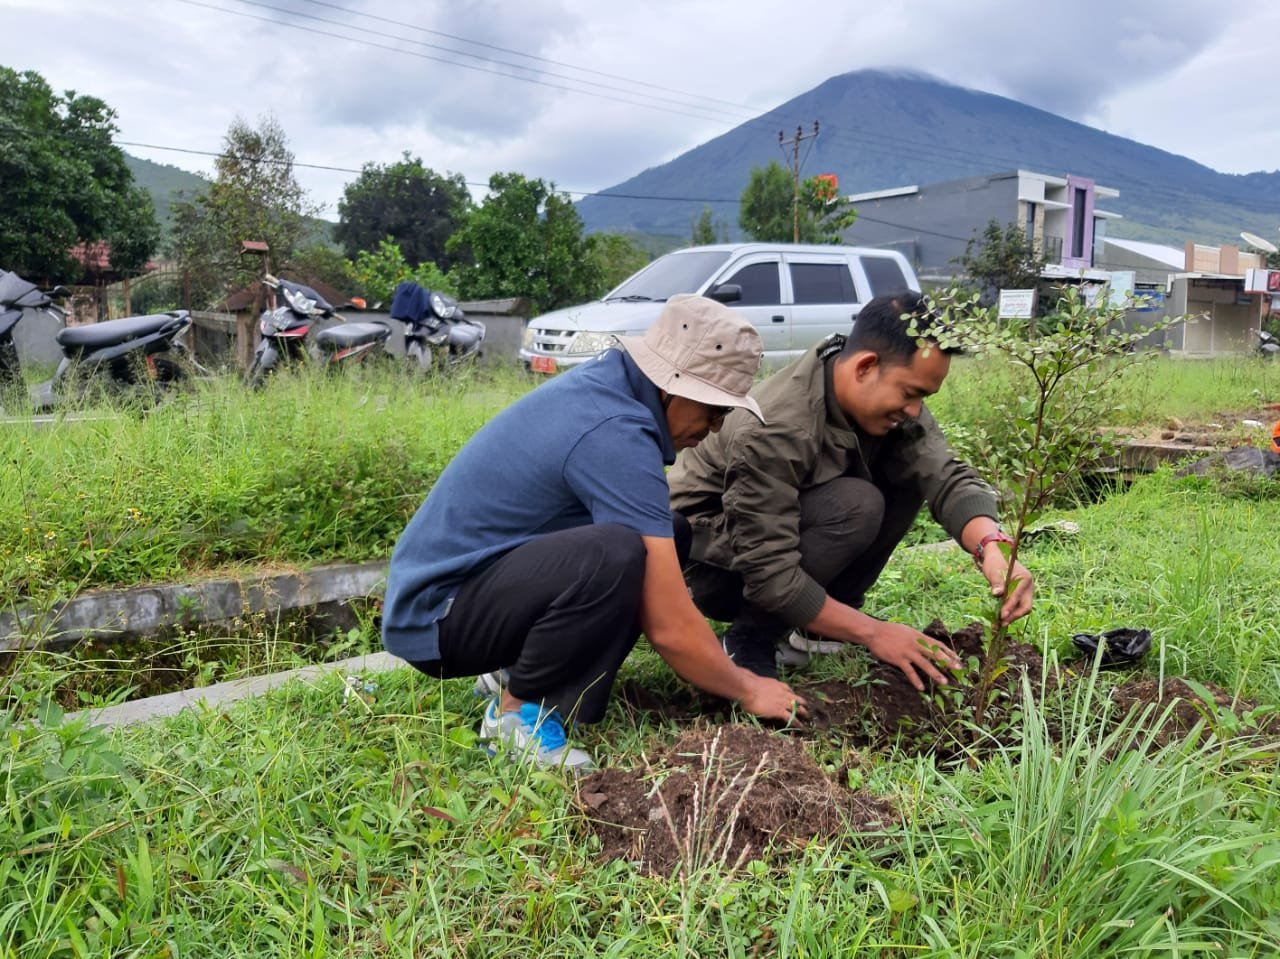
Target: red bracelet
[(979, 551)]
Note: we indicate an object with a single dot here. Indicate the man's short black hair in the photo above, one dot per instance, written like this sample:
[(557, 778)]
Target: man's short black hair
[(880, 327)]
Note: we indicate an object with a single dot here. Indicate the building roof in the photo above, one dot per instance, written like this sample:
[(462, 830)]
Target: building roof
[(1172, 256)]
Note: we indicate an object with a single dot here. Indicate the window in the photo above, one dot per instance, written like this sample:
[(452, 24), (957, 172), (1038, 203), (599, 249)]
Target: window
[(822, 283), (884, 275), (1077, 225), (759, 283), (672, 274)]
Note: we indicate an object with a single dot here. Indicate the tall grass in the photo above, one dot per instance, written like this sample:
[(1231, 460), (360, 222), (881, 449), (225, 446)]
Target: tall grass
[(312, 468), (306, 823)]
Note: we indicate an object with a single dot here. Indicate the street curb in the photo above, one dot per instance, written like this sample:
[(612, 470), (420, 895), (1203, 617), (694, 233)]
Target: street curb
[(144, 610), (170, 704)]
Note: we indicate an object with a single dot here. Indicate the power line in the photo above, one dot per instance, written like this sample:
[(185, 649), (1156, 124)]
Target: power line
[(765, 121), (435, 59), (753, 111)]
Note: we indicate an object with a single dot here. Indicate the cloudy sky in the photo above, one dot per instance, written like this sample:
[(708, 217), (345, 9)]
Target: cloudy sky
[(587, 93)]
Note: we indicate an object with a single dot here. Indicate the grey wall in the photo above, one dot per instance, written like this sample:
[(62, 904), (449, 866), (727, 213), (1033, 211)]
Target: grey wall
[(932, 226)]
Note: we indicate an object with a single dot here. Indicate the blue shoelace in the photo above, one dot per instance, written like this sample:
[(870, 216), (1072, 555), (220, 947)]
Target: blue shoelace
[(545, 726)]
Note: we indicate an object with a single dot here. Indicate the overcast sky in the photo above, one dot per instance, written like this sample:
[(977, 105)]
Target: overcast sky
[(588, 93)]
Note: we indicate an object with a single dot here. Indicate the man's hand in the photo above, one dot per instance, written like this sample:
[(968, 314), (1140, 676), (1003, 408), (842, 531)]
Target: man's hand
[(909, 650), (773, 699), (1018, 603)]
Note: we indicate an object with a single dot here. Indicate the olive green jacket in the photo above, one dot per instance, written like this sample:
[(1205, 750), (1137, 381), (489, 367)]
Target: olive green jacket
[(740, 487)]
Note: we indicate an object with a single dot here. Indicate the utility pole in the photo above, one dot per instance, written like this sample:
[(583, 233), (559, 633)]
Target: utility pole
[(794, 143)]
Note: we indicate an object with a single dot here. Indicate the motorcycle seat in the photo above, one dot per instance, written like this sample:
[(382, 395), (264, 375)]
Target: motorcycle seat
[(111, 332), (347, 335)]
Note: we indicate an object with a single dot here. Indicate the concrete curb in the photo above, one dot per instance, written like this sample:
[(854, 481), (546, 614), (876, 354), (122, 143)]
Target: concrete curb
[(144, 610), (170, 704)]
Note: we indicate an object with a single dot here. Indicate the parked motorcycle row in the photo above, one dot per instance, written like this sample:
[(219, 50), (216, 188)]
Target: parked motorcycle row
[(437, 333), (142, 357)]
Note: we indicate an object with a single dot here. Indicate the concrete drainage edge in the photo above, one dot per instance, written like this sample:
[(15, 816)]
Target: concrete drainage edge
[(170, 704), (144, 610)]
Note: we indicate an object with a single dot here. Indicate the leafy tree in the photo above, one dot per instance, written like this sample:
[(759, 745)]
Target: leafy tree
[(63, 182), (413, 205), (1065, 369), (1000, 259), (704, 230), (321, 262), (616, 257), (135, 234), (765, 208), (377, 274), (824, 214), (525, 239), (768, 208), (254, 196)]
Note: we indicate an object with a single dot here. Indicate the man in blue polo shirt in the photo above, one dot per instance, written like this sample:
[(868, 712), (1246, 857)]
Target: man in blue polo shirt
[(548, 543)]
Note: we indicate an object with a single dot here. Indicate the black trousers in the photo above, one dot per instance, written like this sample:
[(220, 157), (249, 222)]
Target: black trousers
[(560, 613), (848, 530)]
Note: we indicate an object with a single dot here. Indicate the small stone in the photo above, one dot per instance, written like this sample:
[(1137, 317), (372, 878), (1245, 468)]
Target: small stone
[(1173, 423), (1167, 435), (1252, 424)]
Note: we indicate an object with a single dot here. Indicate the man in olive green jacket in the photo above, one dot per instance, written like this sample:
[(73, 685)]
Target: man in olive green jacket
[(794, 519)]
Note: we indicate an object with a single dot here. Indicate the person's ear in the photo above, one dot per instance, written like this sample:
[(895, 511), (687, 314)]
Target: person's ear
[(864, 364)]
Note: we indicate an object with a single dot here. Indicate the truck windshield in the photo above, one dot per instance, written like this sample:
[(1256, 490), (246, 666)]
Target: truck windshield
[(671, 274)]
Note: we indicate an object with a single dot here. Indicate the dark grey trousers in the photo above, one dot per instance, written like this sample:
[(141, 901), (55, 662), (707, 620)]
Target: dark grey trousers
[(560, 613), (848, 530)]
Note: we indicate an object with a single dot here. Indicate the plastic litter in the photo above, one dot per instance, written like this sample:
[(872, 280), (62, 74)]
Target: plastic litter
[(1062, 529), (1120, 647), (353, 687)]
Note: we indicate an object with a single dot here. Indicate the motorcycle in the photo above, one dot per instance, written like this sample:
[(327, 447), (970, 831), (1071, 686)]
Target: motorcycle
[(437, 332), (1268, 345), (135, 356), (284, 332)]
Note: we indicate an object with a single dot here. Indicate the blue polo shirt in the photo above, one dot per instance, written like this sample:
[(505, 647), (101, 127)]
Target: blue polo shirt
[(589, 446)]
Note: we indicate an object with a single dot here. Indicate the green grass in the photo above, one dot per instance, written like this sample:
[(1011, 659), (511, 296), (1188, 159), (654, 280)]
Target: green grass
[(315, 469), (310, 469), (303, 824), (1151, 392)]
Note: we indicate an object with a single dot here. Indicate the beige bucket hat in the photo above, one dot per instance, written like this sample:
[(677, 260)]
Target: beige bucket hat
[(700, 349)]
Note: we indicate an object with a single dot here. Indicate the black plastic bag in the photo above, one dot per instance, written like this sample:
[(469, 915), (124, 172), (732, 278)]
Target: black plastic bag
[(1120, 647)]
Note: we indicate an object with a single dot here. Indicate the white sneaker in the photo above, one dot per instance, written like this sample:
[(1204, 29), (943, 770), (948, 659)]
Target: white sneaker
[(536, 734), (807, 642), (491, 684), (787, 655)]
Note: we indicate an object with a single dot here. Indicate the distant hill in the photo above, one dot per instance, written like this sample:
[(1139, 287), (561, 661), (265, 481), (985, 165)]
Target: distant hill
[(164, 182), (883, 129)]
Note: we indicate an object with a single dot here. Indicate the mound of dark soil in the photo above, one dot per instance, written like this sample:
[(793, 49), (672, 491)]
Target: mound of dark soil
[(885, 708), (721, 797), (1178, 707)]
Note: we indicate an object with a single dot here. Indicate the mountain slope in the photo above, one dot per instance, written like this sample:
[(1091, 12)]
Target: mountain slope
[(164, 183), (885, 129)]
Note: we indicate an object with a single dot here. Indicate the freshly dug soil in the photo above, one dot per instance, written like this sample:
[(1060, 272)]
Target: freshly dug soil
[(721, 797), (885, 708), (1226, 715)]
